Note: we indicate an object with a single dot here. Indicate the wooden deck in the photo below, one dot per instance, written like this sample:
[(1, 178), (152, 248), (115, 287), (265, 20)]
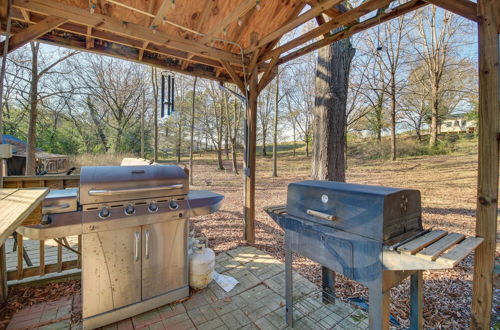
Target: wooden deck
[(32, 248)]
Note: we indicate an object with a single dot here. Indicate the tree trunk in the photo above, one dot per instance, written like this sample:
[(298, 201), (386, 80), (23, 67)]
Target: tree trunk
[(275, 133), (332, 78), (294, 141), (143, 113), (220, 165), (30, 153), (393, 119), (192, 134), (264, 133), (307, 145), (179, 141), (233, 156), (434, 118)]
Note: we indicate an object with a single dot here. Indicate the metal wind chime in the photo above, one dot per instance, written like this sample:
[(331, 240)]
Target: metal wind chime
[(169, 102)]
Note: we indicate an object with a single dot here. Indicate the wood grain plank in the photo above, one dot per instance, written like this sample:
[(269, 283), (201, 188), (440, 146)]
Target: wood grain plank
[(458, 253), (422, 242), (16, 206), (434, 250)]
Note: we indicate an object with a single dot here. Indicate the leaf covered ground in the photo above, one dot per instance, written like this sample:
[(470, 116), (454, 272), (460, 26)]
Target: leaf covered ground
[(448, 188)]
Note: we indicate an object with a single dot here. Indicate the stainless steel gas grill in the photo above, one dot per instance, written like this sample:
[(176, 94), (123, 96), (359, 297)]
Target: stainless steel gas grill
[(370, 234), (134, 226)]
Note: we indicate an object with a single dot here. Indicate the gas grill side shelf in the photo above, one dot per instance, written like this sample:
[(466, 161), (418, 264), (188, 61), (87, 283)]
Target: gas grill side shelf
[(436, 249)]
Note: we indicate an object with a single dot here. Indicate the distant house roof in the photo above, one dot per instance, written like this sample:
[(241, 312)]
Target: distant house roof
[(19, 148)]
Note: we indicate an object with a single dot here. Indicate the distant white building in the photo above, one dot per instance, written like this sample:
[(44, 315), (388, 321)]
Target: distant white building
[(458, 125)]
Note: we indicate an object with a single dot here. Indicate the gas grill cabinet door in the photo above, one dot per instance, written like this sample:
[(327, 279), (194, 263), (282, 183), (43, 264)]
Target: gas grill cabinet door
[(164, 257), (111, 270)]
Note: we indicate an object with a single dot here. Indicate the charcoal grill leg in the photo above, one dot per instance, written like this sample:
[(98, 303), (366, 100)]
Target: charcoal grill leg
[(416, 308), (378, 311), (288, 287), (328, 278)]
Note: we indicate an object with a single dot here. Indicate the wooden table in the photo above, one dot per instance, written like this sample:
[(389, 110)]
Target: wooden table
[(15, 206)]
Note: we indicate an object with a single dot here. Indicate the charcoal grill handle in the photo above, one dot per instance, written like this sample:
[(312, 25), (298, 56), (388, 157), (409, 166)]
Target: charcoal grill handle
[(147, 234), (103, 192), (321, 215), (137, 245)]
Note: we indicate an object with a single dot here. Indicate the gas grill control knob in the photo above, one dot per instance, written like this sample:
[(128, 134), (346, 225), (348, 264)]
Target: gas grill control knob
[(173, 205), (129, 210), (153, 207), (104, 213)]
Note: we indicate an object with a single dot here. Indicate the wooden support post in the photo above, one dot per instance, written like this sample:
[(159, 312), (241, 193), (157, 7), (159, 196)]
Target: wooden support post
[(489, 134), (59, 256), (251, 141), (20, 250), (41, 271), (416, 301), (3, 275)]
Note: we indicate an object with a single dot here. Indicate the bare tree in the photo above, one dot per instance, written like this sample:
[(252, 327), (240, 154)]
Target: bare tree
[(191, 144)]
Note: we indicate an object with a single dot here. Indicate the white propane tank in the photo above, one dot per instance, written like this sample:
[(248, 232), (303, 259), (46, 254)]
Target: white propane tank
[(201, 266)]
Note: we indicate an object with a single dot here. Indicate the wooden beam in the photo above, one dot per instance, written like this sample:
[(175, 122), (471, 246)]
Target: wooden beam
[(289, 26), (106, 23), (395, 12), (241, 9), (88, 38), (33, 32), (162, 12), (464, 8), (236, 79), (250, 159), (268, 74), (141, 51), (487, 185), (353, 14)]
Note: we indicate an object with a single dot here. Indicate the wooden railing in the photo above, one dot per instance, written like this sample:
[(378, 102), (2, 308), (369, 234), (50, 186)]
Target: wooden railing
[(52, 182)]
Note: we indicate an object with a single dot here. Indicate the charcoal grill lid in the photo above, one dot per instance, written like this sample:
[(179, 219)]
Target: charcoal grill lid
[(103, 184), (348, 187)]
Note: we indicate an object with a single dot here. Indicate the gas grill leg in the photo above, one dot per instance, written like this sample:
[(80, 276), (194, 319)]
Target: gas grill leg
[(378, 310), (328, 279), (416, 308), (288, 287)]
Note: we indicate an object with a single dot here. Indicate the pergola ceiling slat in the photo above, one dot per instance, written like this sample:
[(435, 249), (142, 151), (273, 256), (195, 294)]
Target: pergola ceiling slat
[(465, 8), (384, 17), (289, 26), (33, 32), (349, 16), (241, 9), (98, 21)]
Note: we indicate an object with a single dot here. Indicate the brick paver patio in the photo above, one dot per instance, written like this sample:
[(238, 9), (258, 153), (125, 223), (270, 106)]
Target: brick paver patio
[(257, 302)]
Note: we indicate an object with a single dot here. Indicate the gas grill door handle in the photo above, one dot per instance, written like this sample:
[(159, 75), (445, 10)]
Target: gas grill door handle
[(321, 215), (147, 234), (103, 192), (137, 245)]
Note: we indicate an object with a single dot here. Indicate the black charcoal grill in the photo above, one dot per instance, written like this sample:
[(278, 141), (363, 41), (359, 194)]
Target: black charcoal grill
[(370, 234)]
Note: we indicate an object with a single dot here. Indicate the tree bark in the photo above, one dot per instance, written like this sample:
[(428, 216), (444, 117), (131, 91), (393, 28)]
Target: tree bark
[(275, 133), (143, 114), (192, 134), (332, 79), (30, 152), (393, 119)]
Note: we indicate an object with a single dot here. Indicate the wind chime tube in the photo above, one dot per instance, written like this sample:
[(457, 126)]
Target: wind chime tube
[(168, 93), (162, 97), (173, 96)]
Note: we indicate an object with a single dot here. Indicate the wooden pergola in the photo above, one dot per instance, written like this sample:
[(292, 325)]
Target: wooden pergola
[(236, 41)]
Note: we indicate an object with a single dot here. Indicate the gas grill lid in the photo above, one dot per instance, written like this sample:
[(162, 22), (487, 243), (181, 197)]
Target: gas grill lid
[(104, 184), (375, 212)]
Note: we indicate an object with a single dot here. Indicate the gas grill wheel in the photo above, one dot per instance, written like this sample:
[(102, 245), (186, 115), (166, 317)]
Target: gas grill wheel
[(153, 207), (104, 213), (130, 210)]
